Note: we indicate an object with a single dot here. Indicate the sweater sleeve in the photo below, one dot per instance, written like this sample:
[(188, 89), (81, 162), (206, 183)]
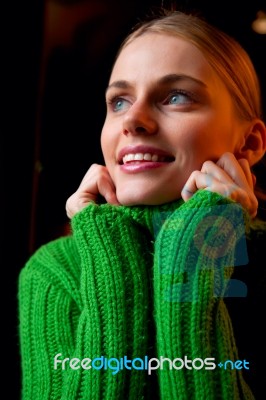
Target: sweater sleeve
[(115, 254), (195, 253), (49, 308), (83, 298)]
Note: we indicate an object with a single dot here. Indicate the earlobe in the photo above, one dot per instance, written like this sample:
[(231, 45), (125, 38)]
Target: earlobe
[(254, 146)]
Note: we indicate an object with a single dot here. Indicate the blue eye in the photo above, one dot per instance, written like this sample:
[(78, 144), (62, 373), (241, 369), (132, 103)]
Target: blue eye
[(179, 98), (119, 104)]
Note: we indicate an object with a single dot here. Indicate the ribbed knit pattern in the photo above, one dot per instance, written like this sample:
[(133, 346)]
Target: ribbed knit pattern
[(96, 292), (191, 320)]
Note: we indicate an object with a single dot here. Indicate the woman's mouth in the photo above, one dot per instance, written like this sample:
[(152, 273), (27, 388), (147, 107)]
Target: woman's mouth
[(131, 157), (142, 158)]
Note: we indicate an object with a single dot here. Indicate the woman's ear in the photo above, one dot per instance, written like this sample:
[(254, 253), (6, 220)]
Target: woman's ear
[(254, 146)]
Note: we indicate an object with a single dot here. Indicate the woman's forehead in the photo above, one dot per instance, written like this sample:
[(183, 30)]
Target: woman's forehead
[(154, 54)]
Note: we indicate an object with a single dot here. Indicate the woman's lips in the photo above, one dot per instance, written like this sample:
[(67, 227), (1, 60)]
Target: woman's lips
[(133, 159), (140, 166)]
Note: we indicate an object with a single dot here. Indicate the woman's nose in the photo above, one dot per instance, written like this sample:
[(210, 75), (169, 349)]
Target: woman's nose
[(139, 120)]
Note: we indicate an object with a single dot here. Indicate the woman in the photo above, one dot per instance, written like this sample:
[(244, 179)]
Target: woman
[(135, 303)]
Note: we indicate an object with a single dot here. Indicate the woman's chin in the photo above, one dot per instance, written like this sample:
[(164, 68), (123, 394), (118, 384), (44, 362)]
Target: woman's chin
[(133, 198)]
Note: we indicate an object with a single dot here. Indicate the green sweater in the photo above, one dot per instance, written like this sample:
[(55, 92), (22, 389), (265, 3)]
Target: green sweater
[(140, 284)]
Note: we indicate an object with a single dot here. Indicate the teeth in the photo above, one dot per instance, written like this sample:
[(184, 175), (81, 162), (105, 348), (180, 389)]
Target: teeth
[(147, 157), (140, 157)]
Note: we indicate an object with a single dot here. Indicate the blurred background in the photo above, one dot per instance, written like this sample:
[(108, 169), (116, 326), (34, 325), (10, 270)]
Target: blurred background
[(61, 54)]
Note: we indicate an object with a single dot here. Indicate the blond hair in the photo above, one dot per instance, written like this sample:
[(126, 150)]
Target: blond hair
[(226, 56)]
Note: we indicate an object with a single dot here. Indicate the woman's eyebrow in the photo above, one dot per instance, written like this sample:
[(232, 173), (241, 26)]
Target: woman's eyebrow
[(164, 80), (172, 78), (122, 84)]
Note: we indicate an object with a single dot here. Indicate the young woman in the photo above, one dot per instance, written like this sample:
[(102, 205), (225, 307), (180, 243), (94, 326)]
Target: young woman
[(141, 300)]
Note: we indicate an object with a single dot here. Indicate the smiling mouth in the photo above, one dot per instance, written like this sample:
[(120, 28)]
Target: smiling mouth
[(131, 158)]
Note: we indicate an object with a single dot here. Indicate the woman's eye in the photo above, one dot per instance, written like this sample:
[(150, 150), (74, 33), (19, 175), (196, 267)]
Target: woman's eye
[(119, 104), (179, 98)]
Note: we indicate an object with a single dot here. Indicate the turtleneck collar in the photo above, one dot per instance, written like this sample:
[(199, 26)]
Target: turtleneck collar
[(150, 217)]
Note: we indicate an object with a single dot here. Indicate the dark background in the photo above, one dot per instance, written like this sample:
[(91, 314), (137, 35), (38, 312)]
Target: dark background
[(60, 55)]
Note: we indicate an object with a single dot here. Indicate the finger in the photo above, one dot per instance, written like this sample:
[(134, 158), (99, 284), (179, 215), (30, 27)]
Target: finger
[(244, 164), (247, 200), (214, 170), (106, 188), (239, 168), (76, 202), (254, 180), (231, 166), (197, 180), (91, 177), (97, 181)]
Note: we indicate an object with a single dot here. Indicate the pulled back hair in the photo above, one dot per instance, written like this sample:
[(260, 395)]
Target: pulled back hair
[(226, 56)]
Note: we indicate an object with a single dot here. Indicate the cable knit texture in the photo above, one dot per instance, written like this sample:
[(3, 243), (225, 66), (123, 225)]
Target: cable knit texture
[(133, 281)]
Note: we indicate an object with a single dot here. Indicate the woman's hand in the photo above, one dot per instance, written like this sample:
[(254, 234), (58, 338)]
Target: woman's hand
[(229, 177), (97, 181)]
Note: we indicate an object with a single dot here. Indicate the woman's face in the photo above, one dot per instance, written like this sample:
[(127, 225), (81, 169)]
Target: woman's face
[(167, 113)]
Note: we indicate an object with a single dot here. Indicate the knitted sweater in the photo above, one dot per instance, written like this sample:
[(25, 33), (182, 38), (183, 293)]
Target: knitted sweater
[(144, 287)]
